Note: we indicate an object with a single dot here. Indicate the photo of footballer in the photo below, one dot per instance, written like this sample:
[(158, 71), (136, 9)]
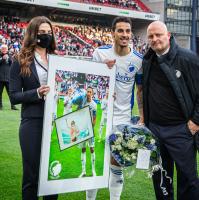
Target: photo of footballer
[(74, 128), (79, 108), (75, 91)]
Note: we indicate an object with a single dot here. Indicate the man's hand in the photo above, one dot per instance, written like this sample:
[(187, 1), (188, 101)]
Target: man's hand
[(141, 121), (110, 63), (193, 127), (43, 90)]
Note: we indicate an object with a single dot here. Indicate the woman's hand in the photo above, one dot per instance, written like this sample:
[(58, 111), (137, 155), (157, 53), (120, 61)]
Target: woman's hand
[(43, 90)]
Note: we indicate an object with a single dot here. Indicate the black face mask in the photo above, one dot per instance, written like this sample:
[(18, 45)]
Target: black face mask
[(44, 40)]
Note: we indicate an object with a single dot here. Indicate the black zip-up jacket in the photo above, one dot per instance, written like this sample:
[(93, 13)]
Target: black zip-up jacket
[(181, 68)]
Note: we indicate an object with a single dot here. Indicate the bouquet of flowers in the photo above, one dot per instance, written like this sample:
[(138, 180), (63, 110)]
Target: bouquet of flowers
[(125, 142)]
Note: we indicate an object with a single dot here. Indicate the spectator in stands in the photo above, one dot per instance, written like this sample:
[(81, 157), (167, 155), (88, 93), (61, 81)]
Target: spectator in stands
[(28, 78), (128, 63), (124, 4), (11, 34), (5, 63)]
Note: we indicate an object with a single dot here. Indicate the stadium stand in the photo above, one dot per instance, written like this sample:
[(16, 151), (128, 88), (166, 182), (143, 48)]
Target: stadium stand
[(11, 33), (72, 39), (136, 5)]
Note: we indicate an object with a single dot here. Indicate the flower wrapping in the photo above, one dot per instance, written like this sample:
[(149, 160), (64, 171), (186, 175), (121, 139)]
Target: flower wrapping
[(126, 140)]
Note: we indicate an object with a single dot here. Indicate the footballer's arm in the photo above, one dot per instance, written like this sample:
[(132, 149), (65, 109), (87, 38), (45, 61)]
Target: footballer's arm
[(140, 103)]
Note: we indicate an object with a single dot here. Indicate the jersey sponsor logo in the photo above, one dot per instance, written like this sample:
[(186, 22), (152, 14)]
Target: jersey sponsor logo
[(124, 78)]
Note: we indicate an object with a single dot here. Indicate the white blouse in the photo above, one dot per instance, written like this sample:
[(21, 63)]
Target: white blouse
[(42, 69)]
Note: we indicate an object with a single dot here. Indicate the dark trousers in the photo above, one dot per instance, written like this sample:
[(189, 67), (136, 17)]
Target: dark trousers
[(176, 146), (30, 135), (2, 85)]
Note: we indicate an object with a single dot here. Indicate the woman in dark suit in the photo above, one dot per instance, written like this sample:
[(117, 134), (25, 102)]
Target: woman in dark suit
[(28, 79)]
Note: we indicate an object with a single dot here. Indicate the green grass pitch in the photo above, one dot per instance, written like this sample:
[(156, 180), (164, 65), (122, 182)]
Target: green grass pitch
[(71, 158), (138, 187)]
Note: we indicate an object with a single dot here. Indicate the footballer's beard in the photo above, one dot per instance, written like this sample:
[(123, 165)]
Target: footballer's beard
[(123, 46), (126, 44)]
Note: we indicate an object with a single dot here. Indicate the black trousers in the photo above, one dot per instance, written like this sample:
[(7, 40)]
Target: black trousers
[(30, 135), (2, 85), (176, 146)]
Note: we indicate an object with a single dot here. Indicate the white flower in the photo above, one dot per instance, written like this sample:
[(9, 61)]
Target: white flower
[(113, 147), (136, 137), (133, 156), (119, 140), (127, 156), (152, 141), (118, 147), (124, 143), (132, 144)]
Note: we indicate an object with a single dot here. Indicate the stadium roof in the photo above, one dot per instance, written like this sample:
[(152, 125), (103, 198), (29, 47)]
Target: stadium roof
[(97, 9)]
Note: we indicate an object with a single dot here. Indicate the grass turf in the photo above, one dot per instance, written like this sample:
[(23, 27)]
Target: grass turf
[(71, 158), (138, 187)]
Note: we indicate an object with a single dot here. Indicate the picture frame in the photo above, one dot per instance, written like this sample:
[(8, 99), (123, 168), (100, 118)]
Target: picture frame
[(75, 84), (74, 128)]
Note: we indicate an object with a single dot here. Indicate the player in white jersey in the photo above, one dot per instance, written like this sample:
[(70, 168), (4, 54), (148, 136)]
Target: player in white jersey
[(67, 99), (104, 106), (84, 98), (128, 71), (55, 102), (91, 142)]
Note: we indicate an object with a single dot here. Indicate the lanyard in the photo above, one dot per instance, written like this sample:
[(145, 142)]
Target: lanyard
[(40, 64)]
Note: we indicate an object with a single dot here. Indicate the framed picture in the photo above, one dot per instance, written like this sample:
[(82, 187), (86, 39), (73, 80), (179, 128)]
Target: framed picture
[(75, 155), (74, 128)]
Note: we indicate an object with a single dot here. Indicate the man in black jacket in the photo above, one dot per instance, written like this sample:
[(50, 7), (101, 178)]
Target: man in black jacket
[(171, 111), (5, 63)]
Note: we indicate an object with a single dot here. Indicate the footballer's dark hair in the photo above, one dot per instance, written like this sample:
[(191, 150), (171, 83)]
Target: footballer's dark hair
[(89, 87), (121, 19)]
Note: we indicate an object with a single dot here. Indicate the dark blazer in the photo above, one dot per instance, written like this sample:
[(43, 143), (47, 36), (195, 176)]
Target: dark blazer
[(5, 68), (23, 90)]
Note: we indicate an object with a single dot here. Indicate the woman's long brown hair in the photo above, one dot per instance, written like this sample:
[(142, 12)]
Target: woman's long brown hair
[(26, 54)]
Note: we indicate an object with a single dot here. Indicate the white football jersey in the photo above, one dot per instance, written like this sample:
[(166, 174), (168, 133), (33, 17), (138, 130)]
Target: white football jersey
[(126, 68), (93, 108), (67, 105)]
